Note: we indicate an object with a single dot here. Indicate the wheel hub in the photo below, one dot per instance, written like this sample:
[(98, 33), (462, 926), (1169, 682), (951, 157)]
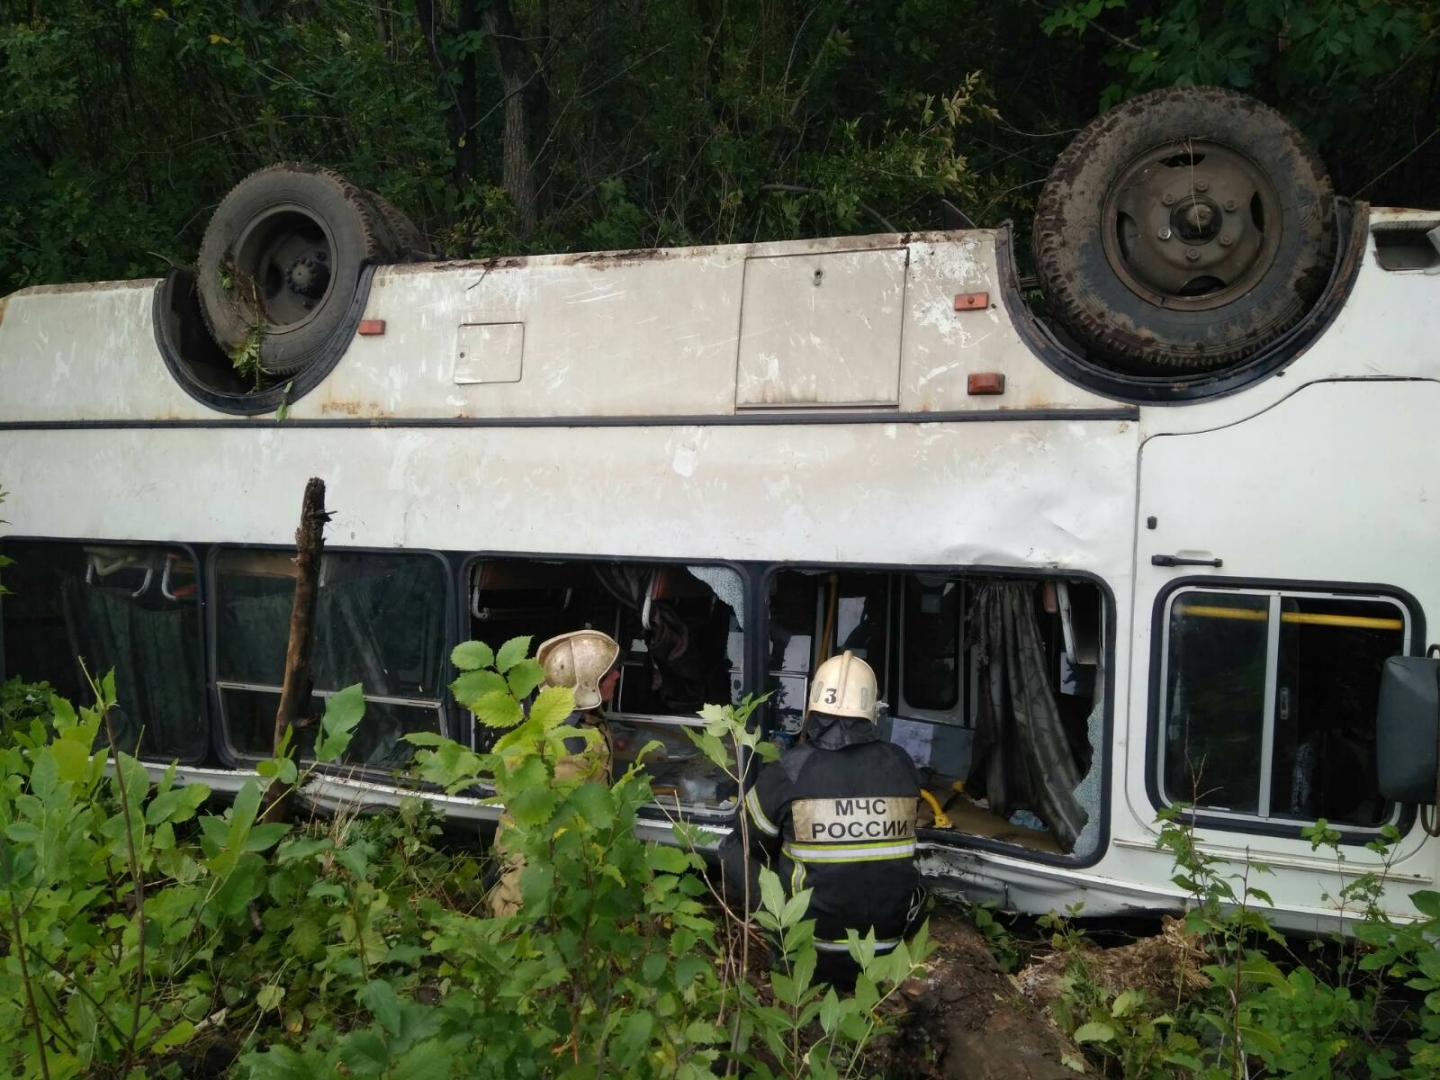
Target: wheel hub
[(284, 266), (309, 276), (1191, 225), (1196, 220)]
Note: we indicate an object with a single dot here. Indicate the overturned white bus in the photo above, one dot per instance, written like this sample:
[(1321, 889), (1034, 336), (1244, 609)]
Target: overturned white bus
[(1153, 543)]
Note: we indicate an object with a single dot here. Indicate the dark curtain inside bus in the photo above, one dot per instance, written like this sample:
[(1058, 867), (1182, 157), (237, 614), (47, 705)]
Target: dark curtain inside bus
[(155, 656), (690, 662), (382, 630), (1022, 758)]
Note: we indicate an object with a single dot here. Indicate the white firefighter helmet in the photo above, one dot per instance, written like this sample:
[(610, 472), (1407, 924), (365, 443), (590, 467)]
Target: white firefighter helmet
[(579, 660), (844, 685)]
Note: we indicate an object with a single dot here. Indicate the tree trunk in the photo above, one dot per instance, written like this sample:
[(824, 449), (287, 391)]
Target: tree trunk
[(466, 160), (457, 120), (516, 75), (297, 685)]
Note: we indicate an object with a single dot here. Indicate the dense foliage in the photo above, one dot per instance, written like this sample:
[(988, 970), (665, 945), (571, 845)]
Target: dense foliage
[(150, 929), (1227, 996), (566, 124)]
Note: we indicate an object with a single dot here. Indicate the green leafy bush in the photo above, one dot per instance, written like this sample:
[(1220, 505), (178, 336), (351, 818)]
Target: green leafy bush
[(146, 928)]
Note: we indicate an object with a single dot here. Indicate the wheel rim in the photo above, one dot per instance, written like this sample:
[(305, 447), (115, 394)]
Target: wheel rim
[(283, 266), (1191, 225)]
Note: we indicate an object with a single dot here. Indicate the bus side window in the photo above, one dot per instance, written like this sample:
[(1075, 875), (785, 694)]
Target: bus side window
[(1269, 700), (379, 621), (127, 607), (930, 644)]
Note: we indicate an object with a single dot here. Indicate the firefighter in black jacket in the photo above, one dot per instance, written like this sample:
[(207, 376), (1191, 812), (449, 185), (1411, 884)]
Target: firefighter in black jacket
[(836, 814)]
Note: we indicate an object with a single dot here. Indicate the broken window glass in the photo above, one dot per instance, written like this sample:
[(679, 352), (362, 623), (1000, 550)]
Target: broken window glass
[(130, 607), (682, 647), (379, 621)]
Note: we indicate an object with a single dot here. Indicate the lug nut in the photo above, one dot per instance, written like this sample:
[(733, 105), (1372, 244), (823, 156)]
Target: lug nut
[(1165, 233), (1202, 185), (1168, 199), (320, 256), (1225, 240), (1230, 205), (1192, 254)]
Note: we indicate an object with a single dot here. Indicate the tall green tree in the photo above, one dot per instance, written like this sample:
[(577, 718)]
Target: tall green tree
[(534, 125)]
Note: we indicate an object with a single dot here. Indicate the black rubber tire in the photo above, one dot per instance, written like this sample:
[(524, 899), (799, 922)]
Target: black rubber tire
[(1138, 335), (354, 237), (405, 240)]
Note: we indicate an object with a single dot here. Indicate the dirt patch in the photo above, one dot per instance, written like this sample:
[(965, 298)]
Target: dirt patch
[(968, 1020), (1166, 966)]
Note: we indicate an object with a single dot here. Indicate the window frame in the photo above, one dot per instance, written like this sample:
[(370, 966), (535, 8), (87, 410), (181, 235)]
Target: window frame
[(961, 714), (752, 652), (1276, 589), (198, 556), (233, 756), (1108, 614)]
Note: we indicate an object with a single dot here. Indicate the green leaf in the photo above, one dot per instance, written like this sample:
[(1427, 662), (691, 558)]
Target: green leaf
[(244, 883), (772, 893), (1427, 902), (553, 706), (379, 997), (178, 1035), (595, 803), (264, 836), (343, 712), (474, 685), (364, 1053), (425, 1061), (71, 758), (511, 653), (472, 655), (634, 1036), (1125, 1002), (498, 710), (303, 848), (688, 968), (795, 908), (668, 860), (1093, 1032), (805, 968), (524, 677), (532, 806), (270, 996)]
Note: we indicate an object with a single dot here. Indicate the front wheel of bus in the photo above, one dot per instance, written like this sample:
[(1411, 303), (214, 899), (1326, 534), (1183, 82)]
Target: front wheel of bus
[(281, 261), (1183, 230)]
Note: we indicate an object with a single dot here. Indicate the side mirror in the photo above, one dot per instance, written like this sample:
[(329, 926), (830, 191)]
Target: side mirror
[(1406, 728)]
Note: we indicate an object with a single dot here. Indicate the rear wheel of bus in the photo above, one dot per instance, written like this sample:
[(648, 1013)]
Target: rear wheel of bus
[(1183, 231), (281, 261)]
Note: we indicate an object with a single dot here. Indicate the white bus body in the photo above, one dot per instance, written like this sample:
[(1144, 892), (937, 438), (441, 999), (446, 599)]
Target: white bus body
[(801, 409)]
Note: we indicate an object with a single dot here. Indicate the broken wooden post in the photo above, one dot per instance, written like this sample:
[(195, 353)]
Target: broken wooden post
[(297, 685)]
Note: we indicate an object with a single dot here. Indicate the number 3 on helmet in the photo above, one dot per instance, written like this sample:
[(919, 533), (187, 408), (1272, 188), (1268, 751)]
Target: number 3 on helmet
[(844, 685)]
